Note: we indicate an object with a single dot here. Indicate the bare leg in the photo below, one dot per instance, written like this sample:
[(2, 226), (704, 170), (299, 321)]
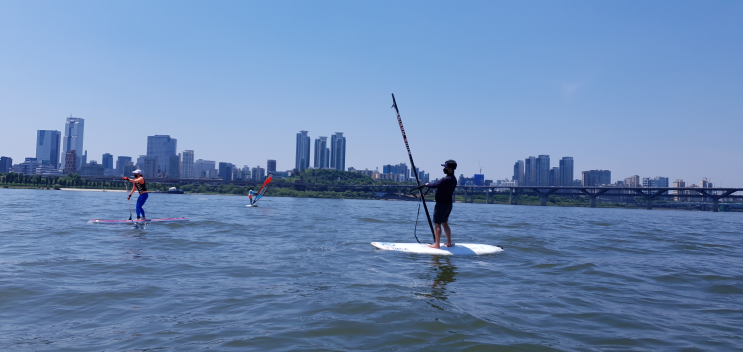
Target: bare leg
[(437, 234), (447, 230)]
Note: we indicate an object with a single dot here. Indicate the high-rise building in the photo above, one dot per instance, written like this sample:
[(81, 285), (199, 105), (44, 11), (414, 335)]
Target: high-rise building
[(149, 167), (530, 171), (543, 170), (161, 147), (658, 181), (303, 151), (74, 130), (518, 173), (258, 174), (204, 169), (633, 181), (187, 164), (555, 177), (594, 178), (566, 171), (479, 179), (225, 171), (70, 162), (6, 163), (174, 166), (121, 162), (338, 151), (107, 160), (322, 153), (85, 158), (271, 166), (47, 147), (703, 183)]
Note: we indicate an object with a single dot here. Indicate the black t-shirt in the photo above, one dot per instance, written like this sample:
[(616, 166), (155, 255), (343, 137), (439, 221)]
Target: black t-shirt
[(445, 188)]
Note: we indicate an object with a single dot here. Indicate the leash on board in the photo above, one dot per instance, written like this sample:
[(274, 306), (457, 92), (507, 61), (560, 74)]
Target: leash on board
[(412, 164), (423, 195)]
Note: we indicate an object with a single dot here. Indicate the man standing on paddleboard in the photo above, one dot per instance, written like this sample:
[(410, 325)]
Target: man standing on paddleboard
[(141, 187), (445, 190)]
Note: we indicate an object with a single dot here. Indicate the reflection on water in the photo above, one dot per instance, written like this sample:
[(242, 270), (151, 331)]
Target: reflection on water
[(443, 272)]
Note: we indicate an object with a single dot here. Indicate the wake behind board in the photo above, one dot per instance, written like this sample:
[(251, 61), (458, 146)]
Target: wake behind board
[(422, 248), (136, 222)]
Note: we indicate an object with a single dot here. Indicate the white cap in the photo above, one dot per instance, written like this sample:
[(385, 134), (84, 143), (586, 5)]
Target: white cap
[(137, 171)]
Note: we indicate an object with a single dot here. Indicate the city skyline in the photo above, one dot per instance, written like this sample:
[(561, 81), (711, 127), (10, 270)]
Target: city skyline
[(529, 172), (492, 82)]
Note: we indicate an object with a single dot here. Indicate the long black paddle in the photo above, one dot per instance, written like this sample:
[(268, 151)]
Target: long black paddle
[(412, 164)]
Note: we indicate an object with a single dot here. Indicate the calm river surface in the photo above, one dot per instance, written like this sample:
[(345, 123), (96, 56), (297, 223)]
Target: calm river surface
[(299, 274)]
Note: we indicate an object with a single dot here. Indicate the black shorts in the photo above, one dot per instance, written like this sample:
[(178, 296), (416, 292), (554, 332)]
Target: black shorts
[(441, 213)]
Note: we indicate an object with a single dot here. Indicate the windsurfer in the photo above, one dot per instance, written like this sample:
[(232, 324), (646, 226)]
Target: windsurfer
[(446, 187), (251, 193)]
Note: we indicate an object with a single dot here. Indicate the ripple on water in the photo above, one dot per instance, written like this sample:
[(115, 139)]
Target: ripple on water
[(299, 274)]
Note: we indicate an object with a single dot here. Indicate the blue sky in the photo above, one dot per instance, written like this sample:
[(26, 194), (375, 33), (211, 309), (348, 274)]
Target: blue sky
[(646, 88)]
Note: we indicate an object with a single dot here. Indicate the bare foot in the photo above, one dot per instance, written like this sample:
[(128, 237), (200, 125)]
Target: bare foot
[(449, 244), (434, 246)]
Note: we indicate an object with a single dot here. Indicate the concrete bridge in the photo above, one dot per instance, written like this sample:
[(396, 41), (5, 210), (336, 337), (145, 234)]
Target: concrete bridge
[(648, 193)]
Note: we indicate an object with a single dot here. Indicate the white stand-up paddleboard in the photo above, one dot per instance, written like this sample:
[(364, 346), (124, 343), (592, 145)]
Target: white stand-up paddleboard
[(252, 205), (136, 222), (422, 248)]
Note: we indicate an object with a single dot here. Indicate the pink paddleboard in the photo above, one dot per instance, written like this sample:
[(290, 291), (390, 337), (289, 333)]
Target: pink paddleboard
[(129, 222)]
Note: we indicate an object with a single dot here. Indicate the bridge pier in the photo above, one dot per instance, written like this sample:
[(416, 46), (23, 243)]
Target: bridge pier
[(650, 203), (543, 199), (487, 197), (593, 201), (716, 205)]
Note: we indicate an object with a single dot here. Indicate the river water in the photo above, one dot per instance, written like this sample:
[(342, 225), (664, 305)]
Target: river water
[(299, 274)]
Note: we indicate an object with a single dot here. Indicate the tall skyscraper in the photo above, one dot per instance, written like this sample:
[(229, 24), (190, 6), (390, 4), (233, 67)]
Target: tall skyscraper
[(74, 130), (6, 163), (566, 171), (225, 171), (338, 151), (149, 167), (543, 170), (555, 176), (187, 164), (322, 153), (518, 173), (47, 147), (258, 174), (271, 166), (174, 166), (122, 162), (161, 147), (530, 171), (303, 151), (107, 160)]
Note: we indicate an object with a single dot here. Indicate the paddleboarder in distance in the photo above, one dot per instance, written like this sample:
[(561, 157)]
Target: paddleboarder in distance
[(141, 187), (445, 190)]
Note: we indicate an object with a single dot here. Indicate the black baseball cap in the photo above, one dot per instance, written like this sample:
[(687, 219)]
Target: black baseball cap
[(450, 164)]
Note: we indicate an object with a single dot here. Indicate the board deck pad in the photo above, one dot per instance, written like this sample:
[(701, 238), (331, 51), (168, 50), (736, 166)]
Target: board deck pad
[(422, 248), (129, 222)]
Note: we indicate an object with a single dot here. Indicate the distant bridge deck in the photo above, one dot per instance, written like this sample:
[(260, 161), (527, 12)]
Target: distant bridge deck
[(714, 195)]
